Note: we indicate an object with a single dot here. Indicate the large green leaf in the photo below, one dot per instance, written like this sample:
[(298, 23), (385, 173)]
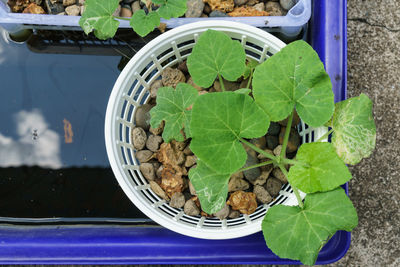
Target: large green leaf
[(211, 187), (322, 171), (216, 53), (98, 16), (299, 234), (170, 8), (219, 120), (294, 77), (354, 133), (172, 107), (143, 24)]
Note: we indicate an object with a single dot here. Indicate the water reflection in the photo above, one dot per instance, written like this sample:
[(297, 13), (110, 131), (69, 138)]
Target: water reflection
[(35, 144)]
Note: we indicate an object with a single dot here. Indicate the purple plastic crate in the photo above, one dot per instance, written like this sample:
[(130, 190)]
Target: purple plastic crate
[(155, 245), (290, 25)]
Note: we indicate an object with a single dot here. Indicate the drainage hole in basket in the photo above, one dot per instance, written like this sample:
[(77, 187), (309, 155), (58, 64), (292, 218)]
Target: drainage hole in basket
[(191, 41), (169, 50)]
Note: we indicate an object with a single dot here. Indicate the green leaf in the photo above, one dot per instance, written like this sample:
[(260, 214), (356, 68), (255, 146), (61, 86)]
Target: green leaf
[(216, 54), (294, 78), (250, 66), (98, 17), (244, 91), (172, 107), (143, 24), (323, 169), (299, 234), (211, 187), (218, 122), (170, 8), (354, 128)]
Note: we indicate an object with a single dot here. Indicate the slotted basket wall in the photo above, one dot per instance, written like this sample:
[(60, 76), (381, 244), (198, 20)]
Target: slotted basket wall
[(131, 90)]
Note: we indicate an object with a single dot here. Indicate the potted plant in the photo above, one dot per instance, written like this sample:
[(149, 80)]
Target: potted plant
[(222, 125)]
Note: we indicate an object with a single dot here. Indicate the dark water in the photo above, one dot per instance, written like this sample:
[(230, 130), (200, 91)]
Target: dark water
[(53, 160)]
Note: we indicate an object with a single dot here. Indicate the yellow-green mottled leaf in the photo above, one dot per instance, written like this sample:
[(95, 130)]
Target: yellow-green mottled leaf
[(98, 17), (211, 187), (354, 128)]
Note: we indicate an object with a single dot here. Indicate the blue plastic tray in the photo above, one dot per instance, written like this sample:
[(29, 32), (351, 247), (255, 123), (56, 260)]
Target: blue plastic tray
[(151, 245)]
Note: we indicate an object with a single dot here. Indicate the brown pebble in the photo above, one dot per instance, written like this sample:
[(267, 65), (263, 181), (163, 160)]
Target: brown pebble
[(139, 138), (262, 194), (126, 12), (144, 156), (245, 202), (223, 213), (158, 190), (190, 161), (73, 10), (153, 142), (177, 200), (191, 188), (273, 186), (187, 151), (190, 208), (158, 130), (157, 84), (159, 171), (69, 2), (171, 77), (279, 175), (147, 170), (234, 214), (33, 8), (142, 116), (236, 184)]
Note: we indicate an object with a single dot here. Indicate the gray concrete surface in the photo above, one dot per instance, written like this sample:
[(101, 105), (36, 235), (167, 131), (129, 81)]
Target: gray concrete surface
[(374, 69)]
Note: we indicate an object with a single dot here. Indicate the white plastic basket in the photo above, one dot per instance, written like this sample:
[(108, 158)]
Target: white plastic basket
[(131, 90)]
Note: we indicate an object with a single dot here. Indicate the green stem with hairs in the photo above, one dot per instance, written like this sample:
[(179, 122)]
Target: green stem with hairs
[(250, 77), (325, 135), (295, 190), (259, 150), (221, 82), (294, 162), (286, 137), (256, 165)]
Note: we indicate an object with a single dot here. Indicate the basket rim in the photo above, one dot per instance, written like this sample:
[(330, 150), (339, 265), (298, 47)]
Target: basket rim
[(111, 147)]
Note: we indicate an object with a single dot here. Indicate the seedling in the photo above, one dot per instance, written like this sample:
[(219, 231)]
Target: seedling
[(220, 124), (98, 16)]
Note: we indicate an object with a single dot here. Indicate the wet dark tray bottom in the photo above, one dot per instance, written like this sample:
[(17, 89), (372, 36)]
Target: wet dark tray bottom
[(35, 192)]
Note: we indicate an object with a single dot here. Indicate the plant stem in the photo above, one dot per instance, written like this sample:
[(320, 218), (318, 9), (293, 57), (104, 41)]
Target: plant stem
[(259, 150), (221, 82), (250, 77), (295, 190), (294, 162), (286, 137), (325, 135), (256, 165), (122, 18)]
